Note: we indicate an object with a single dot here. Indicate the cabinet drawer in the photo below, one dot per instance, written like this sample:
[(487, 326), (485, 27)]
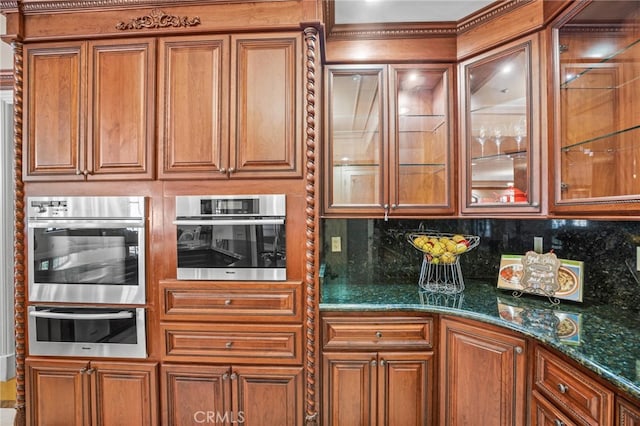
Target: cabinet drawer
[(238, 302), (376, 333), (252, 343), (575, 392)]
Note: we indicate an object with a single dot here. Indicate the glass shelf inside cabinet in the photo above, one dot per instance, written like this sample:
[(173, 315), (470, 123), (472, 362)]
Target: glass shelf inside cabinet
[(419, 123)]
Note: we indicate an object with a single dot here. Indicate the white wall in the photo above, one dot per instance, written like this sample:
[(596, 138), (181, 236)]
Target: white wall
[(6, 54), (7, 344)]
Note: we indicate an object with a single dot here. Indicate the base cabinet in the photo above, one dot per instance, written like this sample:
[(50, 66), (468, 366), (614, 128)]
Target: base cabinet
[(482, 375), (74, 393), (214, 394), (384, 388)]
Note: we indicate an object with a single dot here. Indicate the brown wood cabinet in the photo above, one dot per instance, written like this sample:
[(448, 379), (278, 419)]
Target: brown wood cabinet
[(627, 414), (574, 393), (230, 106), (543, 413), (89, 110), (482, 374), (389, 140), (232, 394), (383, 373), (91, 393)]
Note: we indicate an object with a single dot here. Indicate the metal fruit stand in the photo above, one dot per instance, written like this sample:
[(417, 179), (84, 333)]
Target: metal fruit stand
[(440, 271)]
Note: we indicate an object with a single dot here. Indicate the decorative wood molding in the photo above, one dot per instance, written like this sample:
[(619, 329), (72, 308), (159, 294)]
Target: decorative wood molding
[(416, 29), (6, 79), (19, 265), (158, 19), (52, 6), (311, 315)]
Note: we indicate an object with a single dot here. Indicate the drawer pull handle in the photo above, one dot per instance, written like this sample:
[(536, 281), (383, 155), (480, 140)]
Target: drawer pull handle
[(563, 388), (227, 302), (378, 334), (558, 422), (228, 345)]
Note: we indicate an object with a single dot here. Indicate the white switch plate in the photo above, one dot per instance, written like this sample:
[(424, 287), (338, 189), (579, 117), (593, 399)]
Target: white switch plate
[(336, 244), (638, 258), (537, 244)]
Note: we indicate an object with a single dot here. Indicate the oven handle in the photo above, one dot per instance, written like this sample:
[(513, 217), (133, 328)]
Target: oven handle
[(62, 315), (82, 224), (230, 222)]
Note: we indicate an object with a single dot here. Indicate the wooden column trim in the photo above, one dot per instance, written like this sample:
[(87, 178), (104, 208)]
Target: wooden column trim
[(311, 329), (19, 236)]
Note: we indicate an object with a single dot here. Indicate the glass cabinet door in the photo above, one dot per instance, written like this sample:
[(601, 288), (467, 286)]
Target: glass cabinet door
[(597, 136), (500, 121), (355, 129), (420, 157)]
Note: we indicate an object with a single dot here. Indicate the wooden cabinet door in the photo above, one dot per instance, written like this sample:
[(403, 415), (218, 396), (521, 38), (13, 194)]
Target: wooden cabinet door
[(55, 99), (193, 106), (266, 105), (405, 388), (482, 375), (267, 396), (124, 393), (57, 392), (121, 109), (349, 388), (192, 394), (543, 413), (627, 414)]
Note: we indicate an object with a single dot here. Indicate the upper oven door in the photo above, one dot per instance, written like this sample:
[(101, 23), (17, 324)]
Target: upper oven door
[(231, 249), (87, 261)]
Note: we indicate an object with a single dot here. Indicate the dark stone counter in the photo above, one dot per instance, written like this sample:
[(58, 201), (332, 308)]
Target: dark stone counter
[(604, 340)]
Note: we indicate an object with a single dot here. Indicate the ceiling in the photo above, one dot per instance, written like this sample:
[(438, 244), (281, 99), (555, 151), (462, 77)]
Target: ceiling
[(393, 11)]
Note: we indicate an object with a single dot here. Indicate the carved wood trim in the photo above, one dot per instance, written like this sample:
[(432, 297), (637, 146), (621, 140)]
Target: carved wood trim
[(48, 6), (19, 236), (6, 79), (158, 19), (311, 330)]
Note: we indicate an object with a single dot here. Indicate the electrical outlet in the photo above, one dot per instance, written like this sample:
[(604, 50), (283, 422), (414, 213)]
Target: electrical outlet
[(537, 244), (336, 244)]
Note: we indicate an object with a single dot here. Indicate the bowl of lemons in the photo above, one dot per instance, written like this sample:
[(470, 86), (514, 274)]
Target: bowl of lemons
[(441, 247)]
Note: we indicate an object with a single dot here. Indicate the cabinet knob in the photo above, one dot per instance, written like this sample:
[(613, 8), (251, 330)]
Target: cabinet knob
[(231, 170), (563, 388), (227, 302), (379, 334), (223, 170), (394, 206), (228, 345), (225, 376), (382, 362), (373, 363), (91, 370), (519, 349), (78, 172), (85, 172), (558, 422), (233, 376)]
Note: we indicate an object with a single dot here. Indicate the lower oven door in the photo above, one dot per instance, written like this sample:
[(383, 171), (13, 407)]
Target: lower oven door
[(231, 249), (87, 331)]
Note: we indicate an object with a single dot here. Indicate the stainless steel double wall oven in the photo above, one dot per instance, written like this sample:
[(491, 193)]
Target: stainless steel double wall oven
[(89, 253)]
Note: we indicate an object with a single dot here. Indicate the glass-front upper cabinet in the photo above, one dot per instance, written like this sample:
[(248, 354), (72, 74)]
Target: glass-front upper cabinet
[(597, 108), (388, 150), (500, 130)]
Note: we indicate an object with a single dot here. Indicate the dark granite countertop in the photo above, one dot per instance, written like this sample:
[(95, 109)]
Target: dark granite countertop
[(607, 341)]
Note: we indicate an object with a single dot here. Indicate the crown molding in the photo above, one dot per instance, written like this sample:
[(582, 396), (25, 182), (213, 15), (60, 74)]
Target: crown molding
[(28, 7), (417, 29)]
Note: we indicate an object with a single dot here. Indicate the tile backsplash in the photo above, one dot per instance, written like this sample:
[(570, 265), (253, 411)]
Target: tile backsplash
[(373, 250)]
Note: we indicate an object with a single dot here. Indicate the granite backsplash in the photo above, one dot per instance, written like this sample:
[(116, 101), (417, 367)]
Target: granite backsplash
[(373, 250)]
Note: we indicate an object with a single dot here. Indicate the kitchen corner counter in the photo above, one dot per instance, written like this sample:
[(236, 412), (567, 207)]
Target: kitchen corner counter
[(607, 342)]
